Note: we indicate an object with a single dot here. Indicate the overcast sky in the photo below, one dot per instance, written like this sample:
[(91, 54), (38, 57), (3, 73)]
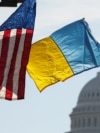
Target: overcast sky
[(48, 112)]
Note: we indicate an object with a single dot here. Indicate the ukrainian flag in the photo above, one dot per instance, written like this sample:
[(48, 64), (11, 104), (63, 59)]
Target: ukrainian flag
[(65, 53)]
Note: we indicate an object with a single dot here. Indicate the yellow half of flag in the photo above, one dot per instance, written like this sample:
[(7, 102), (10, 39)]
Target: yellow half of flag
[(47, 64)]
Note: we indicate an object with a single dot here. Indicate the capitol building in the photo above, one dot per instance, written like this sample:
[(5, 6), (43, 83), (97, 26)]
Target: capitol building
[(85, 117)]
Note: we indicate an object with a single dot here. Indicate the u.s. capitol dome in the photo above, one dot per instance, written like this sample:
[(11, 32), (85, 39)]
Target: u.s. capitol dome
[(85, 117)]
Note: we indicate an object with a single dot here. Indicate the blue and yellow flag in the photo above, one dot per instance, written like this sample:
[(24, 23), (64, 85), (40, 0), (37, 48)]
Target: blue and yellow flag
[(65, 53)]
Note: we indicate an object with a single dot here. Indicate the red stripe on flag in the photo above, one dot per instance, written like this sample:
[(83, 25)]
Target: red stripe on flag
[(24, 61), (4, 51), (9, 85)]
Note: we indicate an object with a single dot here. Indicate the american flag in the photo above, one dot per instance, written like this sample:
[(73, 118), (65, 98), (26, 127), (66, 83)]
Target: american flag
[(15, 42)]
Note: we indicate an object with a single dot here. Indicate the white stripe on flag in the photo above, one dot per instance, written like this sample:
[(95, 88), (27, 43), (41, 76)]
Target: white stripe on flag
[(1, 38), (9, 56), (2, 92), (18, 64)]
